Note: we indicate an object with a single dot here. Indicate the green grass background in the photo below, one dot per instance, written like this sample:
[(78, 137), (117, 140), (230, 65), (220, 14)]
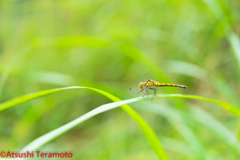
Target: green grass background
[(113, 45)]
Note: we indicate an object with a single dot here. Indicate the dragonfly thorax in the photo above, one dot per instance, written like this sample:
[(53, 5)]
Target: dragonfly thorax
[(146, 84)]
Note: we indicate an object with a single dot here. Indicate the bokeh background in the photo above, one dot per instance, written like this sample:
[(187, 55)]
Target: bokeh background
[(113, 45)]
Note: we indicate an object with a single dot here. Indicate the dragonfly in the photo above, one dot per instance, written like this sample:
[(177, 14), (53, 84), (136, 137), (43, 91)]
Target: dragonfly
[(151, 85)]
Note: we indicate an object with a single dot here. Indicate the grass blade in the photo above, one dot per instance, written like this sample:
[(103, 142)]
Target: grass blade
[(148, 132), (146, 129), (61, 130), (226, 106)]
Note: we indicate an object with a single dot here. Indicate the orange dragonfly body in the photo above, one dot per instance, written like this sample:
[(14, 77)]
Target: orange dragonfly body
[(144, 87)]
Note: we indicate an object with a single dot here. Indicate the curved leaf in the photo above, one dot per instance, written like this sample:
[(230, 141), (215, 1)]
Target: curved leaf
[(225, 105), (148, 132), (146, 129)]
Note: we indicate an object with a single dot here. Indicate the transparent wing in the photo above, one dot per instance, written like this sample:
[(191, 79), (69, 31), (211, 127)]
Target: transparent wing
[(134, 90)]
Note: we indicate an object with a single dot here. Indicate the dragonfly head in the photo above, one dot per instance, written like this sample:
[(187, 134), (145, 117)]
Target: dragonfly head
[(140, 85)]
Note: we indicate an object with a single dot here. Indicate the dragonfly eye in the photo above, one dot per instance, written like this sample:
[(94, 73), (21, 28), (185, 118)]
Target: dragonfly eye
[(140, 85)]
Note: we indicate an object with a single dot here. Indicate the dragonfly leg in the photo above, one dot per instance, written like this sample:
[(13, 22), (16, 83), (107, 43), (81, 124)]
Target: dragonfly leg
[(155, 91), (141, 90), (147, 93)]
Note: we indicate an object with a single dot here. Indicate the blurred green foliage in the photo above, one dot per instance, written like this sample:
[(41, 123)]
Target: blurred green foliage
[(113, 45)]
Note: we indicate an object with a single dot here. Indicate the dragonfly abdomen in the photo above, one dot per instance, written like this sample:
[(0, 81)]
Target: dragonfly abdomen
[(159, 84)]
